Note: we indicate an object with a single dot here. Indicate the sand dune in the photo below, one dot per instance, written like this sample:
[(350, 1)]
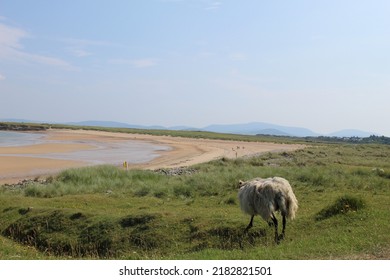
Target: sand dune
[(22, 162)]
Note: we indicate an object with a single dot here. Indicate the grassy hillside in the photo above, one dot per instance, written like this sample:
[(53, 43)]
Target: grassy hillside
[(107, 213)]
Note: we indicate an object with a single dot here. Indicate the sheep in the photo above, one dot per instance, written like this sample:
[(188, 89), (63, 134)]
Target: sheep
[(264, 197)]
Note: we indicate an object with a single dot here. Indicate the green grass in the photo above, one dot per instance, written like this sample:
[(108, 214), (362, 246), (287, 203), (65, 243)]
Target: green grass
[(107, 213)]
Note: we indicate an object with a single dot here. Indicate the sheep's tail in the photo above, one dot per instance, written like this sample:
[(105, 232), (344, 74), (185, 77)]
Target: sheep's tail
[(292, 205)]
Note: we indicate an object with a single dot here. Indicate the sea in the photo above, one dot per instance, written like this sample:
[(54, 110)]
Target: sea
[(115, 152), (12, 139)]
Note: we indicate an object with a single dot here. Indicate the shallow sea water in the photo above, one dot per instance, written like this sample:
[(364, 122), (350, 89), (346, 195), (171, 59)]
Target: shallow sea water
[(12, 139), (115, 152)]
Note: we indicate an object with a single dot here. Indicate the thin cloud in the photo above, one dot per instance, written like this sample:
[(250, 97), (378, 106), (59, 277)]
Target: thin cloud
[(142, 63), (137, 63), (85, 42), (82, 47), (10, 37), (213, 6), (11, 48), (42, 59), (79, 52), (2, 78)]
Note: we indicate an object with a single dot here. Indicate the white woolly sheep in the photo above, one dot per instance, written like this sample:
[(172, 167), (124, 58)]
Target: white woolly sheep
[(264, 197)]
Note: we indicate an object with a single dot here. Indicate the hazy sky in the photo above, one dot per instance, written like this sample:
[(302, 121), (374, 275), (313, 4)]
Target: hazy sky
[(323, 65)]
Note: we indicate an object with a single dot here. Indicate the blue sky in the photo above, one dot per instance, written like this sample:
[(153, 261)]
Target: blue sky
[(323, 65)]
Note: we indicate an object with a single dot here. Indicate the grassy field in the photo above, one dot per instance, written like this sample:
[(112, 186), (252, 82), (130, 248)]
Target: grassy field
[(106, 213)]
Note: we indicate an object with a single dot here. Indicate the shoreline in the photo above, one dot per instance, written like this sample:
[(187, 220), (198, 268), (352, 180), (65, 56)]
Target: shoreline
[(27, 162)]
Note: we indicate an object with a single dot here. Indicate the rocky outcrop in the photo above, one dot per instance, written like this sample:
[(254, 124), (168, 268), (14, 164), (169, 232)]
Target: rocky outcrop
[(27, 182)]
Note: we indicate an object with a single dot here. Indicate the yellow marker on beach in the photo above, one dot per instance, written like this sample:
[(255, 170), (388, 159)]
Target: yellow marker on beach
[(125, 165)]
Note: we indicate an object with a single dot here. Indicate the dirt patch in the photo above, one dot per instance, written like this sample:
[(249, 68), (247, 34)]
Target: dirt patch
[(380, 253)]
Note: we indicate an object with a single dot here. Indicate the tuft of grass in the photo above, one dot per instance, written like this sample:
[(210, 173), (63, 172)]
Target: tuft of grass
[(230, 201), (142, 191), (97, 179), (131, 221), (342, 205)]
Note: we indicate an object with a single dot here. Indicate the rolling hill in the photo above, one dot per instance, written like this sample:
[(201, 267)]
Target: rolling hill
[(252, 128)]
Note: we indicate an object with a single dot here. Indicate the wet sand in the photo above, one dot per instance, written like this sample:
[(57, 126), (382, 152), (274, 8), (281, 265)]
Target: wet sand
[(17, 163)]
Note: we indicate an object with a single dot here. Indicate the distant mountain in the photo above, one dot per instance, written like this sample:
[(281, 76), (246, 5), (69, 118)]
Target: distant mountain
[(351, 133), (259, 127), (253, 128), (114, 124), (100, 123), (246, 128), (19, 121)]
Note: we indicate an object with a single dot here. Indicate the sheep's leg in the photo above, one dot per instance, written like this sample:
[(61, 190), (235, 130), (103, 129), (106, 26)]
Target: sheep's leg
[(246, 230), (250, 224), (281, 236), (275, 221)]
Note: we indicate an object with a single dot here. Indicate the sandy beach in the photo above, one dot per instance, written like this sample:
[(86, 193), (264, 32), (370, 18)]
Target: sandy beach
[(17, 163)]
